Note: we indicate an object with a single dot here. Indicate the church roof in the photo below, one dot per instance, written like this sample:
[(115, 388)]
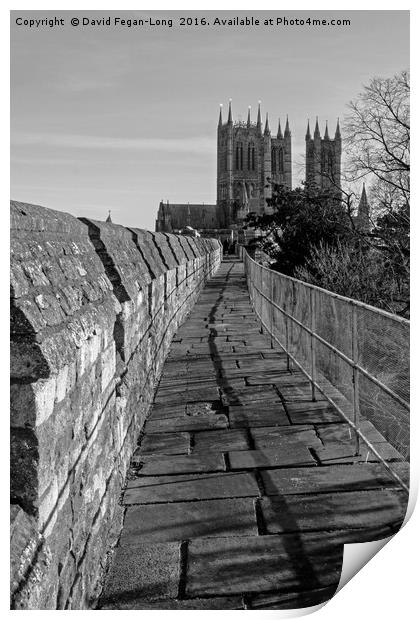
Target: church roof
[(190, 214)]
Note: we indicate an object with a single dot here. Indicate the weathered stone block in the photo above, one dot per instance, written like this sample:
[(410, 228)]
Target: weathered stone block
[(147, 571)]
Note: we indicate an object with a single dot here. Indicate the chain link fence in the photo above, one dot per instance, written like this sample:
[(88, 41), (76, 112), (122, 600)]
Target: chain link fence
[(356, 355)]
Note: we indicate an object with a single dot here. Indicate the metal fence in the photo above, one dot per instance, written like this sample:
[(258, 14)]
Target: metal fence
[(355, 355)]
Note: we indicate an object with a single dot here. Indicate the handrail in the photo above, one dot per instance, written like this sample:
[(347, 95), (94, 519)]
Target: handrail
[(352, 361)]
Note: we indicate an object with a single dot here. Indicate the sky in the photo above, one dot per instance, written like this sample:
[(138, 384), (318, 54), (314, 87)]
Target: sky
[(107, 117)]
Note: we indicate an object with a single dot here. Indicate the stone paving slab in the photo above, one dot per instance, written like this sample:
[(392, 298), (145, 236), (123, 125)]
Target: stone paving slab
[(258, 564), (268, 378), (188, 520), (225, 602), (258, 415), (280, 437), (291, 600), (244, 396), (149, 570), (288, 456), (319, 412), (341, 453), (221, 441), (350, 510), (154, 489), (169, 443), (292, 393), (208, 386), (342, 433), (167, 411), (181, 464), (205, 421), (334, 478), (183, 396)]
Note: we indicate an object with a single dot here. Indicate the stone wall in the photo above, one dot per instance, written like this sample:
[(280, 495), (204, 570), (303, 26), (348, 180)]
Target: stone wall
[(94, 308)]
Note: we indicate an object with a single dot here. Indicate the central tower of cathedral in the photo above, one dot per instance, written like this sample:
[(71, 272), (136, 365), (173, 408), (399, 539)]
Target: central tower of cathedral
[(246, 158)]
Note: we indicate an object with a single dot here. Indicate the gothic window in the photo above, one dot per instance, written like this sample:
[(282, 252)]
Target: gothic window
[(281, 160), (252, 156), (249, 157), (273, 159), (239, 156), (330, 164)]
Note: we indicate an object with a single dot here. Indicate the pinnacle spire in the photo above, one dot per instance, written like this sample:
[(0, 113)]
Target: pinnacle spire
[(337, 131), (230, 112), (308, 132), (287, 133), (248, 123), (279, 133), (363, 209), (316, 132), (259, 116), (108, 219), (363, 197), (326, 136), (220, 115), (267, 128)]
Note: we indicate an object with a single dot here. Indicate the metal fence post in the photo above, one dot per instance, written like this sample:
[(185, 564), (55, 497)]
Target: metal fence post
[(356, 397), (271, 306), (313, 358), (261, 297)]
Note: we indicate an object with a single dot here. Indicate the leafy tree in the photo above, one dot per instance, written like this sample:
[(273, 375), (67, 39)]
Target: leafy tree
[(299, 219)]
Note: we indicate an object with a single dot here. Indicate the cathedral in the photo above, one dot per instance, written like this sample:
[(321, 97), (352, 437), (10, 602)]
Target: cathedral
[(248, 158)]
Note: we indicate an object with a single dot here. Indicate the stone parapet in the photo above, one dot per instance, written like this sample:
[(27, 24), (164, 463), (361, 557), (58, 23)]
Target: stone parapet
[(94, 308)]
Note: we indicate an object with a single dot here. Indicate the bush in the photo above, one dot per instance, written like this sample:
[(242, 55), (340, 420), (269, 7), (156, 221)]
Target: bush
[(358, 272)]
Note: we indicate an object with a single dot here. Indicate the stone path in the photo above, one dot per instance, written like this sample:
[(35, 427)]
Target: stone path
[(243, 490)]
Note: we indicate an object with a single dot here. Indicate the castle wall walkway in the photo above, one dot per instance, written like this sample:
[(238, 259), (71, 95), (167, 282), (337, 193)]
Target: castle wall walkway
[(242, 490)]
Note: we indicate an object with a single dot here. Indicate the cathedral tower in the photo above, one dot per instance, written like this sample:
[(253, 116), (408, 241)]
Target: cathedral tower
[(323, 158), (246, 158)]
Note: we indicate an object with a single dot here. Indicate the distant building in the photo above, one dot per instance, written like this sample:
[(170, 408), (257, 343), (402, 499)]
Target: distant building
[(362, 219), (248, 160), (175, 217), (323, 158), (108, 219)]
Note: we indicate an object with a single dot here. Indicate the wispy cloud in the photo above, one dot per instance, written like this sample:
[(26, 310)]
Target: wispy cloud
[(198, 145)]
